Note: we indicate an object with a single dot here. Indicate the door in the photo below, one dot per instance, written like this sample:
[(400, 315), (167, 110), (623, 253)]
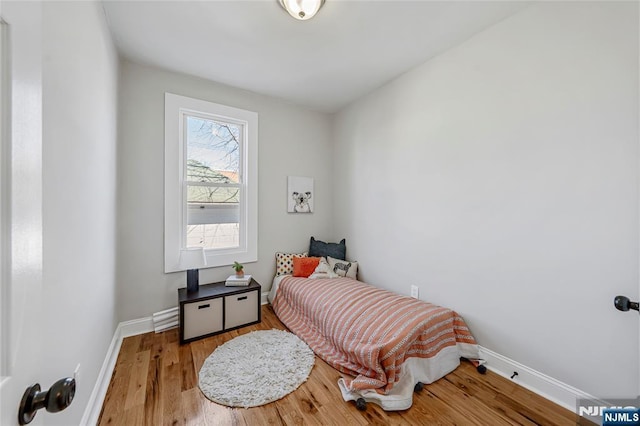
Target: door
[(21, 353)]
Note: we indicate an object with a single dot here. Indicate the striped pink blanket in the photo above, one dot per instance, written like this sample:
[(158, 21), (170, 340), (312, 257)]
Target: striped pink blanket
[(364, 331)]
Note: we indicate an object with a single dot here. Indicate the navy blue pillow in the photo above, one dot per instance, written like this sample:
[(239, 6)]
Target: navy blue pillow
[(322, 249)]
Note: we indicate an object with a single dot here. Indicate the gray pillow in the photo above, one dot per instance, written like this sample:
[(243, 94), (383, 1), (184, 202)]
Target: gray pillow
[(321, 249)]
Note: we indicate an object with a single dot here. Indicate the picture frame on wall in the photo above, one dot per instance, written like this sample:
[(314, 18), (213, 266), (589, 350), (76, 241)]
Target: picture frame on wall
[(299, 194)]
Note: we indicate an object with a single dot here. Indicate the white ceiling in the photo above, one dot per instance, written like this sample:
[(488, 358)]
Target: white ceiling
[(347, 50)]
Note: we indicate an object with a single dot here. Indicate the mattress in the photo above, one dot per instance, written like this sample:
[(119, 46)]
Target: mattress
[(384, 343)]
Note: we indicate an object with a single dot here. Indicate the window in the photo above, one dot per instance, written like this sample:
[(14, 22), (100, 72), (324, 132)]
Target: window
[(213, 187), (210, 181)]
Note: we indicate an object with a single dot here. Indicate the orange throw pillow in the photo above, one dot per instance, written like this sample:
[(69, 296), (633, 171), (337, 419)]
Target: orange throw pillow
[(304, 266)]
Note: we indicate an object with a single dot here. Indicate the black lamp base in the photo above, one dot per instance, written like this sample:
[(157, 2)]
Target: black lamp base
[(192, 281)]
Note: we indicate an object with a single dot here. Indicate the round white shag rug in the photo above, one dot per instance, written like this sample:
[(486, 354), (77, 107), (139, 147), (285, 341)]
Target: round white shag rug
[(256, 368)]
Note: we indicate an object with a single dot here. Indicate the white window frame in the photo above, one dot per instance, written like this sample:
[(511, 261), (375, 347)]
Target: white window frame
[(175, 206)]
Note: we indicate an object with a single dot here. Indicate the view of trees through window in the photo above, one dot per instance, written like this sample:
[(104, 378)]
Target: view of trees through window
[(213, 180)]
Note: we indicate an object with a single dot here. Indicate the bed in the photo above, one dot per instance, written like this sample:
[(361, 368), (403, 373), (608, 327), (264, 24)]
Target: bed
[(386, 345)]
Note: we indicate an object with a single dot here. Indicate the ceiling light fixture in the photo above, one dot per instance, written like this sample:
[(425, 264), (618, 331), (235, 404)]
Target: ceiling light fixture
[(301, 9)]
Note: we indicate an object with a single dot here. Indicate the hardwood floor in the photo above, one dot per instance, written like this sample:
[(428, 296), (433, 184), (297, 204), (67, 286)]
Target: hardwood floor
[(155, 382)]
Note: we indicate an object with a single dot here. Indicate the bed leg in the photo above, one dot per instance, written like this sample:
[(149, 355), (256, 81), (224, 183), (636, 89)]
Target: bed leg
[(361, 404), (480, 368), (418, 387)]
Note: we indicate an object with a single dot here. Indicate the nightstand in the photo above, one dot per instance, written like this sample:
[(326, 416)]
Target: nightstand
[(215, 308)]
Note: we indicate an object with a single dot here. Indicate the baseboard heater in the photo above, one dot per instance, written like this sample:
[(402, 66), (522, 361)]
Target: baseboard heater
[(164, 320)]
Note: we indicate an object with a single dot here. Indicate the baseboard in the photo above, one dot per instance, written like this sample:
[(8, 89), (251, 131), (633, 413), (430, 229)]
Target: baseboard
[(535, 381), (135, 327), (124, 329), (263, 298)]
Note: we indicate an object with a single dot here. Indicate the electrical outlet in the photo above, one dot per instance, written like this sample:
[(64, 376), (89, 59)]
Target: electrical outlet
[(76, 374), (414, 291)]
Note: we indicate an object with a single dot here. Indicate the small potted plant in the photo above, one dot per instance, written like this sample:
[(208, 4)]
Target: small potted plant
[(239, 269)]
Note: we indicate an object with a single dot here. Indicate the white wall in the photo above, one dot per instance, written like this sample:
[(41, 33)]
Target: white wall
[(502, 178), (80, 70), (291, 141)]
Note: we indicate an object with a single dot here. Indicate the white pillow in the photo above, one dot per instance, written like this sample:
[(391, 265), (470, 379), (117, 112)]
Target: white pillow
[(343, 268), (284, 262), (323, 270)]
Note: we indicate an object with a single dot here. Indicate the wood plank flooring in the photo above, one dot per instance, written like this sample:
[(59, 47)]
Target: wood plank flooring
[(155, 382)]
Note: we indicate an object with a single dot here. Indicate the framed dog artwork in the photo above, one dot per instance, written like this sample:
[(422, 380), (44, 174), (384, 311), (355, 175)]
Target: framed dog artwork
[(299, 194)]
